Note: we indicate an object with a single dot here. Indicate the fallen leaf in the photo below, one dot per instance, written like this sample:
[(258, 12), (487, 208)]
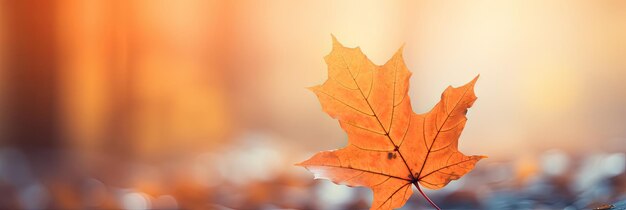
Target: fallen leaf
[(390, 148), (604, 207)]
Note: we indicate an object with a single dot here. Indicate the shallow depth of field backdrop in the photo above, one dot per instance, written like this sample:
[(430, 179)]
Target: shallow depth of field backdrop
[(198, 104)]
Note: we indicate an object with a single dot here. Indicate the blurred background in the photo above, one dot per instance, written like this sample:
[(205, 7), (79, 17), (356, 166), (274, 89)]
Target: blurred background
[(201, 104)]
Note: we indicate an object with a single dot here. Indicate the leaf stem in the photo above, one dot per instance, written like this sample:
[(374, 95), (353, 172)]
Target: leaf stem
[(428, 199)]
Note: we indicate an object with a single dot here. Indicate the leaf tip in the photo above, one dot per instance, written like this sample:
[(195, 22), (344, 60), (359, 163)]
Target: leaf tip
[(302, 164), (400, 50), (335, 41), (313, 88), (475, 79), (472, 83)]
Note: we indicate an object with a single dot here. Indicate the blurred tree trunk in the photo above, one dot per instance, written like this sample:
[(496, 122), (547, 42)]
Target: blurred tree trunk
[(30, 74)]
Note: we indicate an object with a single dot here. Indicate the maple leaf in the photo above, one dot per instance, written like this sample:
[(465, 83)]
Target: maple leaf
[(390, 148)]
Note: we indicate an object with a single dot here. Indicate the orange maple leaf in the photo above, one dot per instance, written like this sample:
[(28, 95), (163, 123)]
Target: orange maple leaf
[(390, 148)]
